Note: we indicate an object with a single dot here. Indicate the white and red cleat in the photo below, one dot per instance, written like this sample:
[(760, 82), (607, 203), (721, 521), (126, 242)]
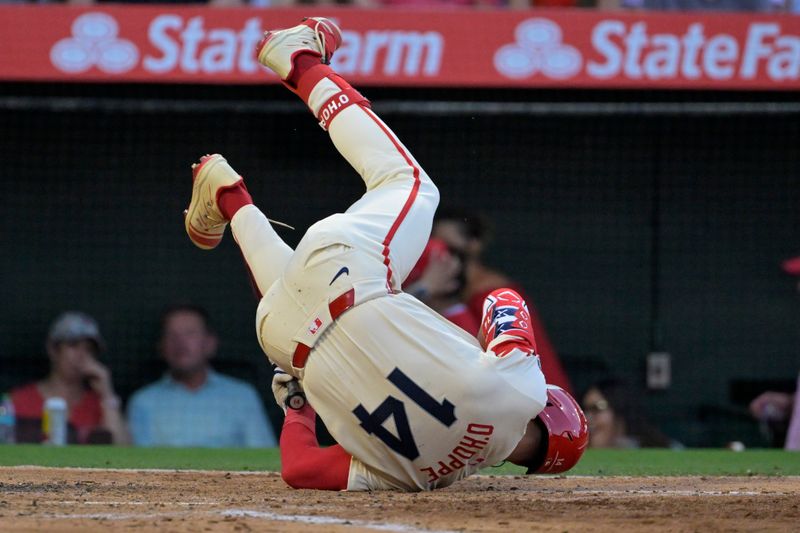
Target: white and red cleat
[(204, 222), (316, 35)]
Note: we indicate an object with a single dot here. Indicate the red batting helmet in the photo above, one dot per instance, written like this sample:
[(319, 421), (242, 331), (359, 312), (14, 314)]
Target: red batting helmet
[(567, 433)]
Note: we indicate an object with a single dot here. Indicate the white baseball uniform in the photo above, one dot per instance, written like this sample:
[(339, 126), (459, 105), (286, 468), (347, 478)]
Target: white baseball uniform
[(413, 398)]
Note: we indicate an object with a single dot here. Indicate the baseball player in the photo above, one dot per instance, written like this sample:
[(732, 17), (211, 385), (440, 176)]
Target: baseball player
[(413, 401)]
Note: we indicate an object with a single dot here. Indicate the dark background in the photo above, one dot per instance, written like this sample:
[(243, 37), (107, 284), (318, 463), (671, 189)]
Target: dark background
[(633, 232)]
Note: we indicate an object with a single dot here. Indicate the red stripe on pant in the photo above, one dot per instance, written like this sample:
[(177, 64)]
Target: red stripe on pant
[(251, 277), (409, 201)]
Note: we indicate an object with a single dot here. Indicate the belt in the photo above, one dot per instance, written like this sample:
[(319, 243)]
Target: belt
[(336, 308)]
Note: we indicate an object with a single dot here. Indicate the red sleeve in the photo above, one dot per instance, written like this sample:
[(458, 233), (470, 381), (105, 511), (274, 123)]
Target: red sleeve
[(304, 465), (28, 402), (551, 365), (88, 413)]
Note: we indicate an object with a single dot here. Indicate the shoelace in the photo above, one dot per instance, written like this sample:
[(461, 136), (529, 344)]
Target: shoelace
[(279, 223), (216, 223), (320, 37)]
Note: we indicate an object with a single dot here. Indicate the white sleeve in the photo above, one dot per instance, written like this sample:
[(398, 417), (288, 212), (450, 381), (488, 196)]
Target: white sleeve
[(521, 370)]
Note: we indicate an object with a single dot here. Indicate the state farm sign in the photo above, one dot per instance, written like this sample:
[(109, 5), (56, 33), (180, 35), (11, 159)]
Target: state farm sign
[(94, 43), (634, 52), (401, 48), (189, 45), (195, 45)]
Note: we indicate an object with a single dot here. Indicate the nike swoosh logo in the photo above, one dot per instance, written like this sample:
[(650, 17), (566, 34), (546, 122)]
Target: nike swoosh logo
[(344, 270)]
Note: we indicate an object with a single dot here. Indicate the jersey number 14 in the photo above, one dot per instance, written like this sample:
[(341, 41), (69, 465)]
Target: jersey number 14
[(403, 443)]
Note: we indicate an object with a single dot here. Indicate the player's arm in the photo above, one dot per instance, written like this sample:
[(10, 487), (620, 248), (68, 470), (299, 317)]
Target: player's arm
[(506, 324), (304, 465)]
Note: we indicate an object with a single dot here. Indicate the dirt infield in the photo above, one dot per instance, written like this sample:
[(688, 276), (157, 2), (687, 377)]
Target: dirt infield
[(36, 499)]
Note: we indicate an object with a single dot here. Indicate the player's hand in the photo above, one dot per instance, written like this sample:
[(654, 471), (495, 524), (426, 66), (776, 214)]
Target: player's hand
[(98, 376), (441, 275), (279, 389), (772, 406)]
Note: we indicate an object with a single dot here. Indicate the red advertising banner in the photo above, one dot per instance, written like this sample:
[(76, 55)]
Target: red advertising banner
[(542, 48)]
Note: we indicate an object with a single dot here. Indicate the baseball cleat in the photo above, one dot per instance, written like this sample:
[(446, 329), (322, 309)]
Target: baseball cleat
[(204, 222), (318, 36)]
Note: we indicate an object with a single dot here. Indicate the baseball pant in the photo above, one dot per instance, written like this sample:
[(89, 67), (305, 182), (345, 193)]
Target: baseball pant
[(377, 240)]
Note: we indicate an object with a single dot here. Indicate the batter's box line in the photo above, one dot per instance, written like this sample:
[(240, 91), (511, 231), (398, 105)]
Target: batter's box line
[(133, 503), (148, 470), (318, 520), (330, 521)]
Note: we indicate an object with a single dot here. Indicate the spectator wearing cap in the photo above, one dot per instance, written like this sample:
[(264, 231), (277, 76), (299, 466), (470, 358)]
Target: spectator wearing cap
[(192, 405), (73, 345), (467, 234), (438, 280), (772, 406)]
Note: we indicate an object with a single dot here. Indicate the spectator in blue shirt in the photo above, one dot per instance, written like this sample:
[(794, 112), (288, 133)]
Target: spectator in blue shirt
[(192, 405)]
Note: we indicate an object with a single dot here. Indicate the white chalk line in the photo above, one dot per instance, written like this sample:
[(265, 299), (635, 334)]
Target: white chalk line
[(537, 491), (329, 520), (123, 503), (320, 520), (148, 470), (114, 516), (543, 493), (671, 492)]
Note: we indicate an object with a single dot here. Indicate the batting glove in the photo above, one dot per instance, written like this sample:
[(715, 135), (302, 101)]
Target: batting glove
[(279, 389)]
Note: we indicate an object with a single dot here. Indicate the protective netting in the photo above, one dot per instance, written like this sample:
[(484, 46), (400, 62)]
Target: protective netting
[(634, 227)]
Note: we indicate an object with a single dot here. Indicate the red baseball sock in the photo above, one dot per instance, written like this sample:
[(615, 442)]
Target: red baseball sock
[(231, 199), (301, 64), (307, 72)]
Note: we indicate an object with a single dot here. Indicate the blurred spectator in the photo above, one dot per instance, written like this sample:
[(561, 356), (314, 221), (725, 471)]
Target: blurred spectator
[(438, 279), (792, 267), (73, 344), (615, 420), (467, 234), (779, 407), (192, 405)]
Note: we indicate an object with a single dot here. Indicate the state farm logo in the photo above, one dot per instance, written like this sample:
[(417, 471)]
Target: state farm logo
[(94, 43), (207, 45), (539, 47)]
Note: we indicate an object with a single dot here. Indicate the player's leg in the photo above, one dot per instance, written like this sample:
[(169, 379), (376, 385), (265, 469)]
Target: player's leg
[(396, 212), (264, 252), (398, 208), (219, 196)]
